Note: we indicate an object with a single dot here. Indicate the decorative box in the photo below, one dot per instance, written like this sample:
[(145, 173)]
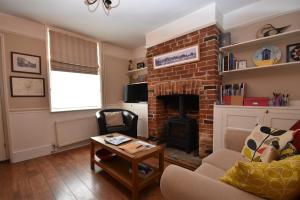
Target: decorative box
[(233, 100), (256, 101)]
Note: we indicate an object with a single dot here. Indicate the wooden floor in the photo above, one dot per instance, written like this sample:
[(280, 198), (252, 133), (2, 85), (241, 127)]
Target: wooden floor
[(65, 175)]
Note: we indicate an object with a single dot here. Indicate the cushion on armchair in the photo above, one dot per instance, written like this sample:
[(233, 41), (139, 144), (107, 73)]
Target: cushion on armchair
[(113, 118)]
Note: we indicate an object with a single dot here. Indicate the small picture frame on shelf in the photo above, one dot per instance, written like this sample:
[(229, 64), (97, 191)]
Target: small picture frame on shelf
[(293, 52), (242, 64), (140, 65), (225, 39)]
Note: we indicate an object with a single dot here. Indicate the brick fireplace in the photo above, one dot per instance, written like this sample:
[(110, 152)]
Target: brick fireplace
[(197, 78)]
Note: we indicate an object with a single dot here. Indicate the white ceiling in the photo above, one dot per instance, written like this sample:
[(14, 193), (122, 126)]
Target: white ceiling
[(125, 26)]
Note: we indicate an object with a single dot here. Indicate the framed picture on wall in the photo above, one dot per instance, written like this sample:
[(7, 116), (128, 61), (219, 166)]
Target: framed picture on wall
[(25, 63), (186, 55), (27, 87)]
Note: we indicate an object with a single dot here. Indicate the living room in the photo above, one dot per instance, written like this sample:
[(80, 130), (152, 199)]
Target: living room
[(207, 90)]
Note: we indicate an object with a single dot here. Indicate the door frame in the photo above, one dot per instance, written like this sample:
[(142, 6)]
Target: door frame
[(4, 97)]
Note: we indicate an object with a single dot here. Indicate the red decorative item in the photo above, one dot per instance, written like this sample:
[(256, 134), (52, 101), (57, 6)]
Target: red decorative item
[(256, 101), (296, 126), (296, 140)]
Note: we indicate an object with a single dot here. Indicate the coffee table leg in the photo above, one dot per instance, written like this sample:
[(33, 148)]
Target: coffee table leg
[(161, 162), (92, 155), (134, 166)]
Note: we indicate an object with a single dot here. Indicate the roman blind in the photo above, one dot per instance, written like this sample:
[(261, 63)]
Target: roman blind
[(72, 54)]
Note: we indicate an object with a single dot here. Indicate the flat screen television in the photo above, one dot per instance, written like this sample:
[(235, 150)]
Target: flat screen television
[(134, 93)]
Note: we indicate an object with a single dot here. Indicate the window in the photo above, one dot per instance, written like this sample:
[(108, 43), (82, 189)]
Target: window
[(75, 83), (74, 91)]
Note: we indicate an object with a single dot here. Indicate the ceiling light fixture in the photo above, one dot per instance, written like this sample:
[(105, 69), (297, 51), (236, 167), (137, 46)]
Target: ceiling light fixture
[(106, 4)]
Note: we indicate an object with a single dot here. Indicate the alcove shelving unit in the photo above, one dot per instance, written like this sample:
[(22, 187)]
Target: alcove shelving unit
[(135, 74), (244, 46)]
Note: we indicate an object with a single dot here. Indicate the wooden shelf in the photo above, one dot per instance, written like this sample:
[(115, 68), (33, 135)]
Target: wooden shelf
[(138, 83), (137, 70), (119, 168), (261, 40), (280, 65)]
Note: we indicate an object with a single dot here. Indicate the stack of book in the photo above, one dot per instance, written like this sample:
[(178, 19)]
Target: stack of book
[(233, 94), (144, 170)]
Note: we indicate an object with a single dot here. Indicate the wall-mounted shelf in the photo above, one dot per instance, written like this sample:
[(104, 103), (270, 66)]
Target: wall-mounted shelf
[(280, 65), (138, 83), (137, 70), (261, 40)]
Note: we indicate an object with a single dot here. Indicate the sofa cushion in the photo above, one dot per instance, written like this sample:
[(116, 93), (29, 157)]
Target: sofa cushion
[(210, 171), (278, 180), (223, 158), (261, 138)]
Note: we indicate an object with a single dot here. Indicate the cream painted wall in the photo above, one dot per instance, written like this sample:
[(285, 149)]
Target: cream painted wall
[(115, 78), (31, 126), (27, 45), (261, 83), (204, 17)]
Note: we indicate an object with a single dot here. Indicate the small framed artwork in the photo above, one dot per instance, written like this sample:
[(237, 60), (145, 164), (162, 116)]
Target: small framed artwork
[(185, 55), (140, 65), (27, 87), (242, 64), (293, 53), (225, 39), (25, 63)]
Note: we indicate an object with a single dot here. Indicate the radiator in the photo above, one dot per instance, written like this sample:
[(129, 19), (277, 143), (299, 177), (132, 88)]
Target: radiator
[(76, 130)]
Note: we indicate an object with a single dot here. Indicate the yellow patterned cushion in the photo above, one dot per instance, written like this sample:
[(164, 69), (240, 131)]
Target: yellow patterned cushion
[(278, 180)]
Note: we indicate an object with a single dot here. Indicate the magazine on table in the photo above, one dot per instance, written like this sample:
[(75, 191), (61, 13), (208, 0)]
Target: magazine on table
[(144, 170), (116, 140), (137, 146)]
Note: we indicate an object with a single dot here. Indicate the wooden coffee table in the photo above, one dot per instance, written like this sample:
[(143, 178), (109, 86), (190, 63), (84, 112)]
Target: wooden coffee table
[(118, 166)]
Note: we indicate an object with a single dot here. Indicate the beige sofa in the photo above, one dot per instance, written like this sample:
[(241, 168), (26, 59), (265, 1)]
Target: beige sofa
[(202, 184)]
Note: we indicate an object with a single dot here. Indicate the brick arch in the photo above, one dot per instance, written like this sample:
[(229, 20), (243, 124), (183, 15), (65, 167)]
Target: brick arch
[(192, 86)]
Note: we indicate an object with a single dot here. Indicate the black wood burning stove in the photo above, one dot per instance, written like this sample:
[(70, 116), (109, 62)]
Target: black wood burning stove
[(181, 130)]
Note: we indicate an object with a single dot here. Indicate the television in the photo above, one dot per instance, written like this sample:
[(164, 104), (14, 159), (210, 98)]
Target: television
[(134, 93)]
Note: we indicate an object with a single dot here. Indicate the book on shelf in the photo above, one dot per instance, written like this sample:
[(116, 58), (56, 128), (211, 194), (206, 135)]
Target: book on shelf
[(144, 170), (227, 62), (136, 146)]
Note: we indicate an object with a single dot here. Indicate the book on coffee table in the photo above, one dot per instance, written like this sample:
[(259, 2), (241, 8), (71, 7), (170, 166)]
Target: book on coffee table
[(136, 146)]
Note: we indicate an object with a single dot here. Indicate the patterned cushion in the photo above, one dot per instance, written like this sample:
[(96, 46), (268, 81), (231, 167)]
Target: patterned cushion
[(113, 118), (278, 180), (270, 154), (288, 151), (261, 138)]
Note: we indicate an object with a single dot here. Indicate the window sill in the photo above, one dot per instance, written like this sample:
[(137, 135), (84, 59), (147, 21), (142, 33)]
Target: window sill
[(73, 109)]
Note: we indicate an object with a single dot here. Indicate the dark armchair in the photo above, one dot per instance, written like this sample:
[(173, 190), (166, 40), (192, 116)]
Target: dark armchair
[(129, 119)]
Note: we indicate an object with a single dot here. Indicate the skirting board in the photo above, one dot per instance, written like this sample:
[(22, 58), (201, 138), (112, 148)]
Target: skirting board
[(27, 154)]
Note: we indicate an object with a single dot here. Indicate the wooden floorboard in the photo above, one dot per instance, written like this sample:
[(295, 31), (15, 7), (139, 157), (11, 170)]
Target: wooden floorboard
[(64, 176)]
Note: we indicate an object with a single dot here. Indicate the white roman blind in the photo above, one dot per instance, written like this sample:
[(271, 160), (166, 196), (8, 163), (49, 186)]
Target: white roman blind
[(72, 54)]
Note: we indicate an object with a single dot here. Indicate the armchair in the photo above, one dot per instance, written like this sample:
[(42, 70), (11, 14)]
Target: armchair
[(129, 128)]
